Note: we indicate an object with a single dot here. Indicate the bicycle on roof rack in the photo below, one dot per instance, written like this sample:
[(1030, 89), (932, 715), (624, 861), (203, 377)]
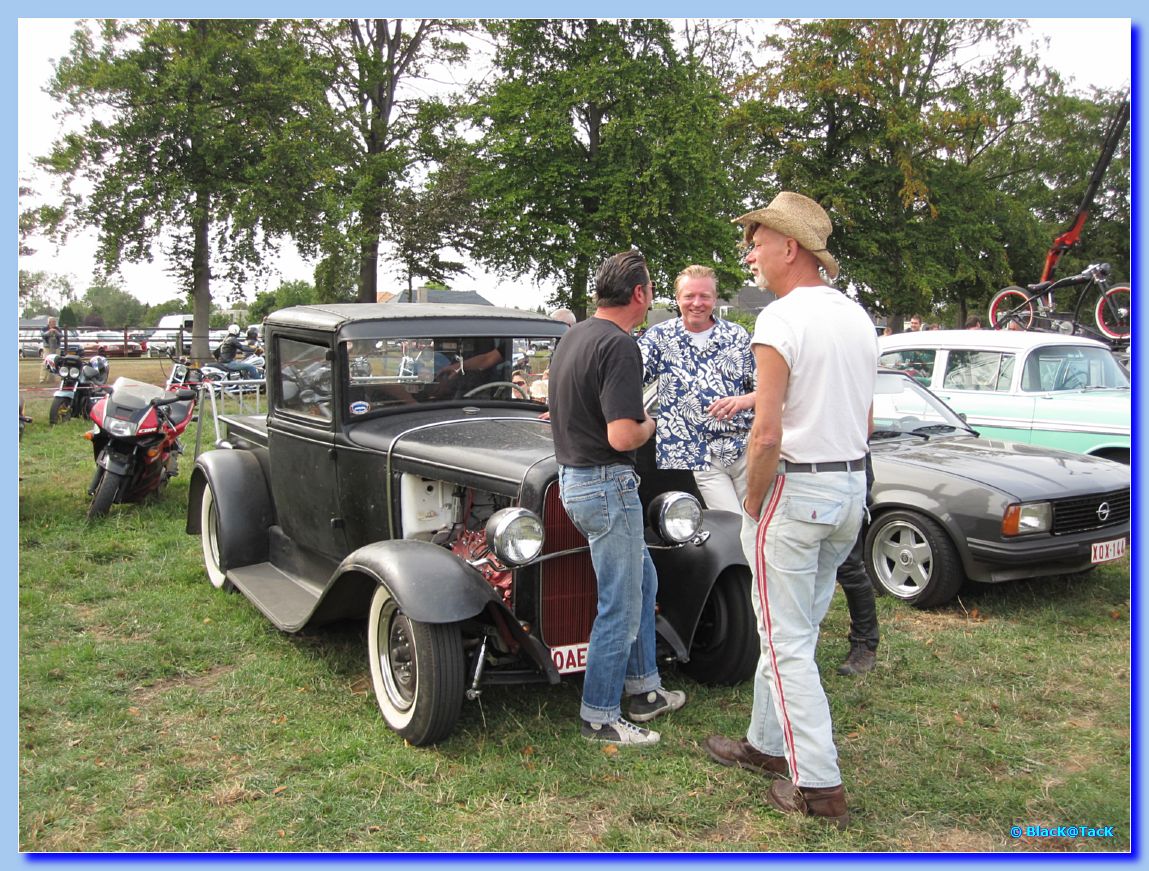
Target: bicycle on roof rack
[(1032, 307)]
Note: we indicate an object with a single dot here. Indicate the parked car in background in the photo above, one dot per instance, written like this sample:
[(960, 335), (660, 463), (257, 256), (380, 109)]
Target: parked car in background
[(401, 476), (109, 344), (1059, 391), (950, 505)]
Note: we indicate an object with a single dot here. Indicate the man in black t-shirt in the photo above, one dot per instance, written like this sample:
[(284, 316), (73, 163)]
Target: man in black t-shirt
[(598, 422)]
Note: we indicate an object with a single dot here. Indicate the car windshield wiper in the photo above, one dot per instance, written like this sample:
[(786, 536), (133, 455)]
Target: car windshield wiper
[(895, 433), (937, 429)]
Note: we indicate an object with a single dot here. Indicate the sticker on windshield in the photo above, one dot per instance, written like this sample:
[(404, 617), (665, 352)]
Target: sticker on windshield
[(360, 408)]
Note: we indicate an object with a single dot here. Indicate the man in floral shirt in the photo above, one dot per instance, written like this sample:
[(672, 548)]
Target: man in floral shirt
[(705, 391)]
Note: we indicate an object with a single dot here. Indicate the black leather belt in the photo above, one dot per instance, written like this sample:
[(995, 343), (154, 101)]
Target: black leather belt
[(787, 468)]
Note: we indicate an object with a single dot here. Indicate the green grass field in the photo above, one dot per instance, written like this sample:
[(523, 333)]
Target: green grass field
[(159, 714)]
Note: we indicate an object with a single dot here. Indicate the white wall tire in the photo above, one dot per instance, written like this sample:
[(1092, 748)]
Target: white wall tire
[(417, 671), (209, 540)]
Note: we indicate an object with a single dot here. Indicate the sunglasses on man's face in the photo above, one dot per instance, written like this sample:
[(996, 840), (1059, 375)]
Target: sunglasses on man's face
[(520, 383)]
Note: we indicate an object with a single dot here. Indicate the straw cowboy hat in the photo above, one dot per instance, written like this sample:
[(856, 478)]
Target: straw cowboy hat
[(799, 218)]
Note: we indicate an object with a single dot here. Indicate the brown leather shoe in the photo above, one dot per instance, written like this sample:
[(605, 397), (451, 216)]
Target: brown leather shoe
[(727, 751), (860, 660), (827, 802)]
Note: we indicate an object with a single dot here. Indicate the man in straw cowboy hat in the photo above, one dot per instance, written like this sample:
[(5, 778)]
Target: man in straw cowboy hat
[(816, 356)]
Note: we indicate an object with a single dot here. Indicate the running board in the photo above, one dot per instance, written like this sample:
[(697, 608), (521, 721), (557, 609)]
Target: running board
[(286, 600)]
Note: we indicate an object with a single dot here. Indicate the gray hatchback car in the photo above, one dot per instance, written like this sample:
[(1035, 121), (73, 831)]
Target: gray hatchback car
[(950, 504)]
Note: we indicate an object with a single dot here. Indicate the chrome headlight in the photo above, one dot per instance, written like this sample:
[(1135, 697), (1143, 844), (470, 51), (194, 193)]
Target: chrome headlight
[(119, 428), (676, 516), (73, 372), (1026, 518), (515, 535)]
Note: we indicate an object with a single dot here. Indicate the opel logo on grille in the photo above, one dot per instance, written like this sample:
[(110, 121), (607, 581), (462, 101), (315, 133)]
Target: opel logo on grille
[(1103, 511)]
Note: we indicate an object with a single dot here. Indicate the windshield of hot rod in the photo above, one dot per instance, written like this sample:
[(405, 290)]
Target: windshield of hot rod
[(389, 358)]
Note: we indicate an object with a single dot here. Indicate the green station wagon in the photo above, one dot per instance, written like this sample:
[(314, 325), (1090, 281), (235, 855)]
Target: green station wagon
[(1064, 392)]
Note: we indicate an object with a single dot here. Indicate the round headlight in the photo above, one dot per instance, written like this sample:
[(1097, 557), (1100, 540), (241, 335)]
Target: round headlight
[(515, 535), (676, 516), (74, 372)]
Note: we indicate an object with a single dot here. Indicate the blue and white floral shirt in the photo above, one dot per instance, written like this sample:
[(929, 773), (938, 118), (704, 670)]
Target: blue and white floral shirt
[(690, 379)]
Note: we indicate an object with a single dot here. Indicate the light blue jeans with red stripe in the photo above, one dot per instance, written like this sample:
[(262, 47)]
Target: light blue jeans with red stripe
[(807, 526)]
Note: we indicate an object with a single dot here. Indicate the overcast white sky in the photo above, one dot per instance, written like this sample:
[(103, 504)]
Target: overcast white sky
[(1091, 51)]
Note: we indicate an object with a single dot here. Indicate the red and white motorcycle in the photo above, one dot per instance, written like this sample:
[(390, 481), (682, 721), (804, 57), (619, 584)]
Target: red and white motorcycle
[(136, 441)]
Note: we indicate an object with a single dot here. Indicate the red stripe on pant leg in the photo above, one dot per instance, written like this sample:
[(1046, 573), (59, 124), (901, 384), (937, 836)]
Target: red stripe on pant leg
[(764, 599)]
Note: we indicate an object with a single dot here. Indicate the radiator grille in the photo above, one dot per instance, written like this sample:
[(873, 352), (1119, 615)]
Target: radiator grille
[(1090, 512), (569, 591)]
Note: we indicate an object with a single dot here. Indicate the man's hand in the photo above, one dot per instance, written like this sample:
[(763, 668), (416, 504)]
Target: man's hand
[(728, 406)]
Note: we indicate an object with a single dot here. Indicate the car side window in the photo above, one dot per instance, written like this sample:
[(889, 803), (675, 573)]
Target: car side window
[(978, 370), (918, 363), (304, 378)]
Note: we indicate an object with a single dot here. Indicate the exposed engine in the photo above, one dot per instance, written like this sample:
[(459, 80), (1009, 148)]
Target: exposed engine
[(455, 517)]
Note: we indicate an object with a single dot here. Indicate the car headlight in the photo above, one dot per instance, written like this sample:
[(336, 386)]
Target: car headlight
[(675, 516), (119, 428), (1026, 518), (515, 535)]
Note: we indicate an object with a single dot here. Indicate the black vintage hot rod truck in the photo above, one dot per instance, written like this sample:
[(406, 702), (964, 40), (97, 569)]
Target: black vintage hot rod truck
[(402, 475)]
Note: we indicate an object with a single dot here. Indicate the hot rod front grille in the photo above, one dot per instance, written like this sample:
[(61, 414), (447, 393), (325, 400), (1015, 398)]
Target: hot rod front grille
[(569, 591), (1090, 512)]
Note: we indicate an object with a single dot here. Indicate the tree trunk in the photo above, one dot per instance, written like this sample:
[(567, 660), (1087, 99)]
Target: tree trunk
[(369, 269), (579, 287), (201, 282)]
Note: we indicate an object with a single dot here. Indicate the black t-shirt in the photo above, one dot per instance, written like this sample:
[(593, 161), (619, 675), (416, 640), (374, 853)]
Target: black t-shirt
[(596, 378)]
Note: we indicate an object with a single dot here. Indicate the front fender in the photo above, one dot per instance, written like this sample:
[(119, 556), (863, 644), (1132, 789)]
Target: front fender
[(242, 502), (429, 583), (687, 574)]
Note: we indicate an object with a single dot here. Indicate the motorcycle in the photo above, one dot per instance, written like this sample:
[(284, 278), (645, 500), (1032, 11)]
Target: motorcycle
[(136, 441), (82, 382), (219, 372), (23, 419)]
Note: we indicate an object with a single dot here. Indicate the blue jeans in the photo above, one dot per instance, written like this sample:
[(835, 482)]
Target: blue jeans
[(807, 526), (603, 504), (245, 369)]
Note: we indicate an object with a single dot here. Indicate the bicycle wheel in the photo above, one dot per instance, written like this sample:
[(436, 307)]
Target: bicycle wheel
[(1011, 305), (1113, 313)]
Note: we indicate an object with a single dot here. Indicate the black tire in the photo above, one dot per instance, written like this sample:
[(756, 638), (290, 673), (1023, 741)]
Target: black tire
[(1114, 313), (104, 494), (910, 557), (60, 410), (725, 648), (1005, 301), (417, 671), (209, 541)]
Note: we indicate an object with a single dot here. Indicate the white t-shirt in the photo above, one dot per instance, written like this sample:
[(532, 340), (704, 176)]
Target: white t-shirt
[(831, 347)]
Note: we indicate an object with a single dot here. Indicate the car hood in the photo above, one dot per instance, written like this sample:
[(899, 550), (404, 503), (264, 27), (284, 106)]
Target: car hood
[(1024, 471), (487, 443)]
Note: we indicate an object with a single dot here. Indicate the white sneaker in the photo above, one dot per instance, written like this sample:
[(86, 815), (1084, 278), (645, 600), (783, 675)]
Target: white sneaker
[(619, 732), (646, 706)]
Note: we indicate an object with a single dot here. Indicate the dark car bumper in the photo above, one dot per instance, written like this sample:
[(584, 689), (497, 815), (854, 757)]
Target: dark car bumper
[(996, 561)]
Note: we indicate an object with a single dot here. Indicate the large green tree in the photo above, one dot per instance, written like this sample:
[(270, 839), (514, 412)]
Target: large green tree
[(597, 136), (884, 123), (211, 134), (115, 306), (381, 85)]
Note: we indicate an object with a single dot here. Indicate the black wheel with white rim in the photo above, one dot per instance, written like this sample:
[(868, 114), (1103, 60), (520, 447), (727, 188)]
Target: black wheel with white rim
[(909, 556), (417, 671)]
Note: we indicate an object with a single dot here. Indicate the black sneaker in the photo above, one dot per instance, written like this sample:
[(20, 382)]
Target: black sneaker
[(646, 706), (619, 732)]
